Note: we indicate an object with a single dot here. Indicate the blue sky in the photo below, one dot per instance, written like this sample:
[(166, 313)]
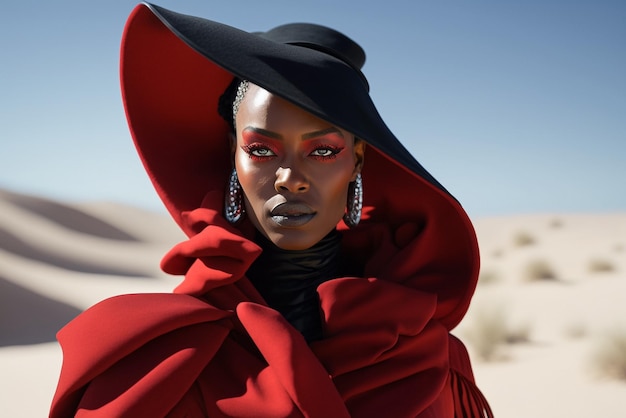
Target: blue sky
[(515, 106)]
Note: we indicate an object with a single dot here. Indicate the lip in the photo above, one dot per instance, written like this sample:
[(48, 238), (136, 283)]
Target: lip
[(292, 214)]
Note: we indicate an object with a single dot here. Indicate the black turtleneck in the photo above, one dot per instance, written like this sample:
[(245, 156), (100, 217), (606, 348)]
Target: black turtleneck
[(288, 280)]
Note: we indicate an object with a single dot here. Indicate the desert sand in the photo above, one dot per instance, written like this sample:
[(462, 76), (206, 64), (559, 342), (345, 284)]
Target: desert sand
[(550, 301)]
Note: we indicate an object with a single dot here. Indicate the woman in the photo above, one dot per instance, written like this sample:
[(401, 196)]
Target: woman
[(324, 267)]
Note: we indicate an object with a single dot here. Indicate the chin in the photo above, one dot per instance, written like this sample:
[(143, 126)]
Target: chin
[(294, 241)]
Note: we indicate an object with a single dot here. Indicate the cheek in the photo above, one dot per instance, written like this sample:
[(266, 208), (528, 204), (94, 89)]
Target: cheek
[(253, 178), (335, 183)]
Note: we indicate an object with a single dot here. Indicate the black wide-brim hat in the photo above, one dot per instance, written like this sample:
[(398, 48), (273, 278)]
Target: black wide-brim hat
[(174, 68)]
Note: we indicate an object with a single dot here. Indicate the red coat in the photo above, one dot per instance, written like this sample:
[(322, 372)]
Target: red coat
[(215, 349)]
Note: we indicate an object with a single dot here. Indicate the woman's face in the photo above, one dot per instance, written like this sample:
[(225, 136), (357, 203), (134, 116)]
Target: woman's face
[(294, 169)]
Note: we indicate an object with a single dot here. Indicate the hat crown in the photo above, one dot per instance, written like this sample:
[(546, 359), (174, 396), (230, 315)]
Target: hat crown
[(320, 38)]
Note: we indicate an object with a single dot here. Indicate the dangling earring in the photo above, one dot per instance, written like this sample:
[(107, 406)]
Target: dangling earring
[(352, 217), (233, 208)]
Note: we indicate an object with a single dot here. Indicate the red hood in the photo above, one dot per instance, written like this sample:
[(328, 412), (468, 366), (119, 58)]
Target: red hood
[(413, 232)]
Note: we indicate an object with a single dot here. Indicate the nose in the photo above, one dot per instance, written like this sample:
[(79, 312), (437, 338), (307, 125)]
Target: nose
[(289, 179)]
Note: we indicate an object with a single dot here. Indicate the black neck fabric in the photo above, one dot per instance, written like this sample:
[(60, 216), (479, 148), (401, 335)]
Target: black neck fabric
[(288, 280)]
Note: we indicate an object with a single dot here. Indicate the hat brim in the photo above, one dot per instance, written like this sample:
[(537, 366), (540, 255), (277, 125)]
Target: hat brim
[(319, 83)]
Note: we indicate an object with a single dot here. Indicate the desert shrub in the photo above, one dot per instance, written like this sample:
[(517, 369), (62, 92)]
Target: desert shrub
[(488, 277), (519, 334), (487, 333), (539, 270), (601, 265), (490, 331), (609, 356), (556, 223), (523, 239), (575, 330)]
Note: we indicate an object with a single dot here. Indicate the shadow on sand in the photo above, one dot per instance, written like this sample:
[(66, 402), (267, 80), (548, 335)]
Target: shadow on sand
[(27, 317), (67, 216)]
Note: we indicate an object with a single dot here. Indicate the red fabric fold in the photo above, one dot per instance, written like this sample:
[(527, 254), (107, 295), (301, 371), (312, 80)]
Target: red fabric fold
[(382, 346), (154, 378), (217, 255), (295, 366), (119, 329)]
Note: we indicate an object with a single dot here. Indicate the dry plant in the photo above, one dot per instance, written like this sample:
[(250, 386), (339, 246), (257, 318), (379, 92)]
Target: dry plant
[(539, 270), (487, 333), (497, 253), (556, 223), (487, 277), (575, 330), (601, 265), (523, 239), (609, 357), (519, 334), (490, 332)]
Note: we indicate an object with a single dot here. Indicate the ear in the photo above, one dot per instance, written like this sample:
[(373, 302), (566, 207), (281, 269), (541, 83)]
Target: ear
[(359, 156)]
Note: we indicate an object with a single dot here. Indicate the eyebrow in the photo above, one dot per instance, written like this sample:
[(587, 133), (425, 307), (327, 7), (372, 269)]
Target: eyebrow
[(308, 135)]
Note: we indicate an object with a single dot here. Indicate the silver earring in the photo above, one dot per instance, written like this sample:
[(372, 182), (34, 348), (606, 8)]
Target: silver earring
[(352, 217), (233, 205)]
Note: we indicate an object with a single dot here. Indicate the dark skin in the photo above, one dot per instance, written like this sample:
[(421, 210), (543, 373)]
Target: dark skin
[(294, 169)]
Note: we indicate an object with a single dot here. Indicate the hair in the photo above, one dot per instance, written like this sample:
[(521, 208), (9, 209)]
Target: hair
[(225, 103)]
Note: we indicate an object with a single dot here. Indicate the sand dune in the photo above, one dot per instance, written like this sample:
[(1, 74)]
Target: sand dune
[(56, 259), (552, 288)]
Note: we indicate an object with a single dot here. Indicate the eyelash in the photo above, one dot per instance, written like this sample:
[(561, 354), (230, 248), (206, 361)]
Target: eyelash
[(252, 148), (333, 152)]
